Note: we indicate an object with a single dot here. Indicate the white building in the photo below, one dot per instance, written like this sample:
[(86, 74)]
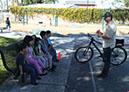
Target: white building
[(82, 3), (53, 5)]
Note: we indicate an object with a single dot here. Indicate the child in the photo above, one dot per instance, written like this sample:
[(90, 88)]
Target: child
[(8, 24), (34, 36), (39, 53), (45, 48), (51, 49), (29, 56), (23, 66), (50, 21)]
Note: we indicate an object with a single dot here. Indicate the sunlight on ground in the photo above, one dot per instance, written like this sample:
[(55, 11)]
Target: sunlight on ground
[(62, 29)]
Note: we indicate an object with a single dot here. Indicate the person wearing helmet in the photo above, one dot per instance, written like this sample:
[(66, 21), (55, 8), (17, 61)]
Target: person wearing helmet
[(108, 36)]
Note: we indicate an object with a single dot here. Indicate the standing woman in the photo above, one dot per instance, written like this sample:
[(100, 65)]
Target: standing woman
[(8, 24), (29, 56)]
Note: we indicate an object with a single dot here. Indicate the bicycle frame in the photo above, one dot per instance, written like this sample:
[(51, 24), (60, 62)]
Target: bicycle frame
[(116, 57), (92, 42)]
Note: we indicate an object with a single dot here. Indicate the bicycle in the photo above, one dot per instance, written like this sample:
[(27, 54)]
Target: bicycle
[(118, 54)]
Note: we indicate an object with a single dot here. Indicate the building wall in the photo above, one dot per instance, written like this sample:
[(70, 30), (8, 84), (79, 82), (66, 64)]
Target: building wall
[(85, 5)]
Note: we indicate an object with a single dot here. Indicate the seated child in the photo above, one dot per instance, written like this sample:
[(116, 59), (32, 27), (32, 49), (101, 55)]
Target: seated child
[(29, 56), (24, 66), (51, 48), (44, 48), (34, 36), (38, 52)]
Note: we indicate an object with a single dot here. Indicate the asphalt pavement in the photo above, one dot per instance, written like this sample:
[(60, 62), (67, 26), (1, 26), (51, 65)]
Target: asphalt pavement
[(71, 76)]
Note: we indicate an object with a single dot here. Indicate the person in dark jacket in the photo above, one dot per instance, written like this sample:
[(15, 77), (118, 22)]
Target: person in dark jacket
[(8, 23)]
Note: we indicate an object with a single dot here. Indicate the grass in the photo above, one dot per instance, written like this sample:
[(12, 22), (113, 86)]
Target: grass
[(13, 21), (9, 56), (7, 41)]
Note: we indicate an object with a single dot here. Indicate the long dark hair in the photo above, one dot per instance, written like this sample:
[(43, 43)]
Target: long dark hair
[(27, 39), (35, 43)]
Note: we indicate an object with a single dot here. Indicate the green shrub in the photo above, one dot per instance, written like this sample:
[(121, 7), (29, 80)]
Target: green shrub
[(75, 14)]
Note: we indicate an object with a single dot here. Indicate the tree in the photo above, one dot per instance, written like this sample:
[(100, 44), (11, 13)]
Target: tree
[(126, 2), (15, 1), (54, 1), (21, 2), (27, 2)]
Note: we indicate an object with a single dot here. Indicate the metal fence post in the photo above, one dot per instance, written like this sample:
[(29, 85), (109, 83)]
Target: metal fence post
[(56, 19), (56, 15), (110, 9), (23, 17), (26, 17), (103, 20)]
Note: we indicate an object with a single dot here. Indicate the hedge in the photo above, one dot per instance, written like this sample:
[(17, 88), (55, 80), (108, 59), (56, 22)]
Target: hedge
[(75, 14)]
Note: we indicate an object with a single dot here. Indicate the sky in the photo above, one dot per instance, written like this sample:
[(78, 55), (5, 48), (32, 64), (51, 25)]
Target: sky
[(98, 2)]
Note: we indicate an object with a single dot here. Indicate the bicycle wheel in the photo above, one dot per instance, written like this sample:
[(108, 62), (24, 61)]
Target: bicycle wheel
[(118, 56), (84, 54)]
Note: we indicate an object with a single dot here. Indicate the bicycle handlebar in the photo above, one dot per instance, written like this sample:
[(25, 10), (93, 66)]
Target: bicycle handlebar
[(93, 39), (90, 35)]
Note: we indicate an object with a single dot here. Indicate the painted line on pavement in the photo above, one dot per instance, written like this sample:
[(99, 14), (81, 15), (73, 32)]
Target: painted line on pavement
[(92, 77)]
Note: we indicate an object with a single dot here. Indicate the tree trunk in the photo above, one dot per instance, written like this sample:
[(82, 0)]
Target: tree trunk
[(17, 2), (22, 2), (7, 5), (36, 1), (126, 4), (2, 10)]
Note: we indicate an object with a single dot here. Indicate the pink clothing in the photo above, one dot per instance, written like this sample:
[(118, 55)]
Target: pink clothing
[(34, 60), (29, 52)]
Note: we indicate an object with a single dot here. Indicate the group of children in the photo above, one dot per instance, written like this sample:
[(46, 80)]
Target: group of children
[(36, 56)]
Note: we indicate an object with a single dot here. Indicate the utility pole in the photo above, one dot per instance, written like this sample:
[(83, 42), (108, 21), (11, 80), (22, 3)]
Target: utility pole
[(2, 10), (87, 11)]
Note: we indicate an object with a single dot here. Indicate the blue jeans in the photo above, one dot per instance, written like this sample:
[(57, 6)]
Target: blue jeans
[(8, 26), (30, 68), (53, 53), (106, 60)]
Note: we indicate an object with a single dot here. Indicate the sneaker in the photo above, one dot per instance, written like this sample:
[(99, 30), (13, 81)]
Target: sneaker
[(39, 78), (56, 60), (45, 72), (34, 83), (54, 66), (101, 76), (52, 69), (42, 74)]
